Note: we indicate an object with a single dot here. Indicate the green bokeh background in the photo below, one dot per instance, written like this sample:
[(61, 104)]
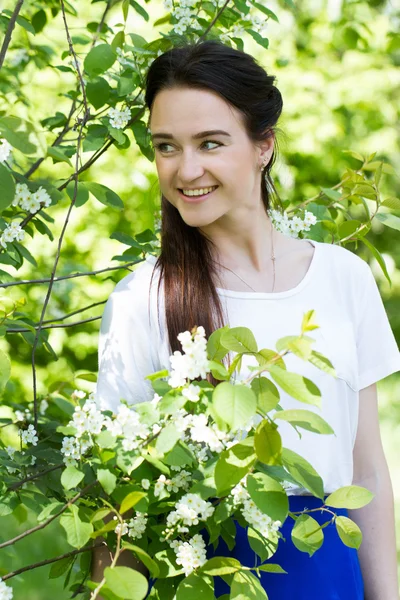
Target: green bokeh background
[(337, 66)]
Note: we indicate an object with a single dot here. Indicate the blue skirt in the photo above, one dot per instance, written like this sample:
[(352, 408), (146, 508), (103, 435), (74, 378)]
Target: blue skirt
[(332, 573)]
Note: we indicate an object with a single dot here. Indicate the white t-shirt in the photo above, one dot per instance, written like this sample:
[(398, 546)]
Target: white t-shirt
[(354, 334)]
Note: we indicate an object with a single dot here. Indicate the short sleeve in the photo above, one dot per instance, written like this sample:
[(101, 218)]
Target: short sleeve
[(377, 350), (125, 346)]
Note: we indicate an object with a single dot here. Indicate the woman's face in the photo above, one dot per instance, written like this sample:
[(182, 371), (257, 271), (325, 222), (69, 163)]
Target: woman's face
[(228, 160)]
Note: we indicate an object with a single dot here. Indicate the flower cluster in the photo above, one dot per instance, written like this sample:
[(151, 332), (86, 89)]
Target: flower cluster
[(89, 421), (191, 554), (253, 515), (293, 226), (30, 201), (29, 436), (184, 14), (119, 118), (189, 510), (5, 150), (194, 362), (12, 232), (180, 481), (6, 592), (134, 528)]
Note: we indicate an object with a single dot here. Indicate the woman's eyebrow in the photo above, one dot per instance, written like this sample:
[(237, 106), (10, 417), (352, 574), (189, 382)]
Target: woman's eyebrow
[(197, 136)]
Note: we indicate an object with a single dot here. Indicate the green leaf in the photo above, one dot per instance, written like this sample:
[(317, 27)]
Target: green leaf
[(57, 153), (7, 186), (307, 534), (71, 477), (268, 443), (60, 567), (349, 532), (131, 500), (378, 257), (167, 438), (389, 220), (246, 586), (239, 339), (104, 195), (39, 20), (194, 585), (349, 496), (332, 194), (267, 393), (232, 465), (215, 350), (391, 202), (268, 495), (305, 419), (126, 583), (99, 59), (303, 472), (220, 565), (125, 9), (9, 127), (5, 370), (144, 557), (301, 388), (107, 480), (262, 546), (78, 532), (98, 92), (139, 9), (264, 42), (234, 404), (271, 568)]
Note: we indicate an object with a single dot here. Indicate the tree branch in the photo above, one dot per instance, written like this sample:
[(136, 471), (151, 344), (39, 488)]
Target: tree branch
[(82, 123), (34, 281), (43, 525), (7, 37), (203, 35), (51, 560), (18, 484)]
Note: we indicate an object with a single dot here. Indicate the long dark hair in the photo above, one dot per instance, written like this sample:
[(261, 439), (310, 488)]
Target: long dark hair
[(186, 261)]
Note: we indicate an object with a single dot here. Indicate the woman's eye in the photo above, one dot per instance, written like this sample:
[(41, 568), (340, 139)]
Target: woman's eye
[(161, 146)]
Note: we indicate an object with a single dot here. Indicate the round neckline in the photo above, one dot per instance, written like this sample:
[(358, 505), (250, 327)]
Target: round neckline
[(269, 295), (275, 295)]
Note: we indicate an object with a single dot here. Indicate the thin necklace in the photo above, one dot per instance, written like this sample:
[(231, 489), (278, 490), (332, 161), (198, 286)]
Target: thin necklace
[(273, 264)]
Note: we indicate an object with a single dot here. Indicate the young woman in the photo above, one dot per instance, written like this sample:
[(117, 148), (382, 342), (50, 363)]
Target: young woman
[(213, 116)]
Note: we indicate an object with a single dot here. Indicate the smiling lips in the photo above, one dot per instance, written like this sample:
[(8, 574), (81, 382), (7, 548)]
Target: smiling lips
[(198, 191), (197, 195)]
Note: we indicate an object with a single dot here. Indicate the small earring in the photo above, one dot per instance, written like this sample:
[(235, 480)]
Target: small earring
[(263, 165)]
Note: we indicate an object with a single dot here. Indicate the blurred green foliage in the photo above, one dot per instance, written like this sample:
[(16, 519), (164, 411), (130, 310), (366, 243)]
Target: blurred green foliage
[(337, 66)]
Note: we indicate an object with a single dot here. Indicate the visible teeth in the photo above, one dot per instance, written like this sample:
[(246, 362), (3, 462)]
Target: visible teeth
[(199, 192)]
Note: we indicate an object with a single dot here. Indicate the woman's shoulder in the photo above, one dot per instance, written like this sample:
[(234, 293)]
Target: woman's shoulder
[(344, 259), (131, 293)]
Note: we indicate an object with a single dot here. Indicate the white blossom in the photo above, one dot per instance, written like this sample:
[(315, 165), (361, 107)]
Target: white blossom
[(145, 483), (11, 451), (12, 232), (191, 554), (192, 392), (189, 510), (43, 406), (5, 150), (194, 362), (6, 593), (28, 436), (119, 118), (137, 526), (78, 395)]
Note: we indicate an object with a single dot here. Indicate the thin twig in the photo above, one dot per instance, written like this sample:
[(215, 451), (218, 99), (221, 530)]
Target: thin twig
[(63, 277), (43, 525), (18, 484), (51, 560), (212, 22), (64, 326), (7, 37)]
